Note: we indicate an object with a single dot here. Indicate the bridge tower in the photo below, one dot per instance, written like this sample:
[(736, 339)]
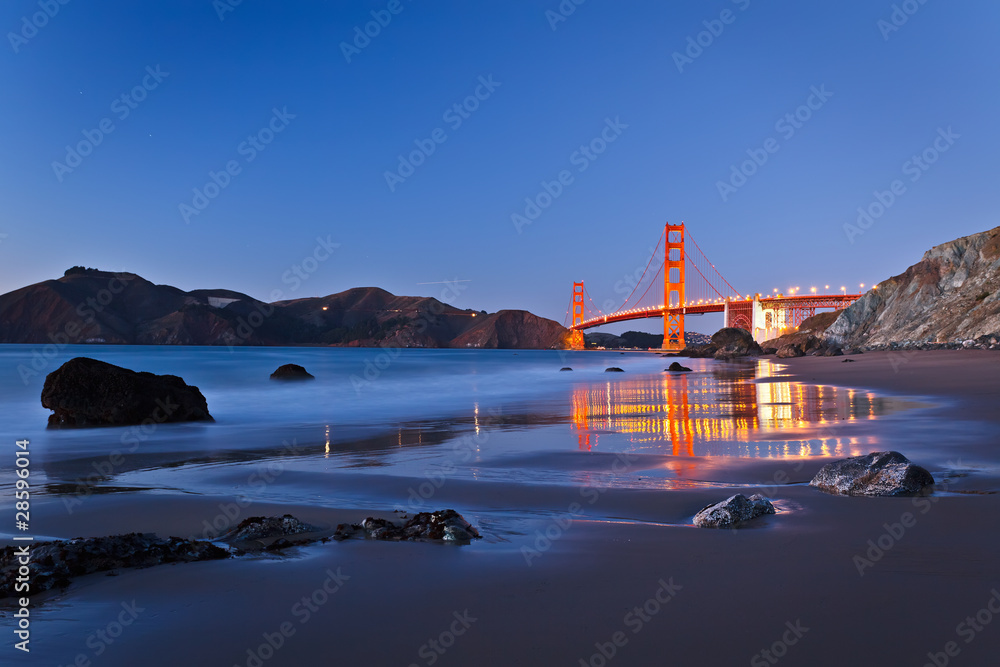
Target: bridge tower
[(575, 335), (673, 323)]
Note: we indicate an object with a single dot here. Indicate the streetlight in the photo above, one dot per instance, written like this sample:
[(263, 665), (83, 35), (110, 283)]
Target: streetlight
[(812, 289)]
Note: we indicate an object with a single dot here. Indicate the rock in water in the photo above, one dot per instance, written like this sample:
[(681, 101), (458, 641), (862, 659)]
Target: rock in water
[(446, 525), (55, 563), (292, 372), (88, 392), (876, 474), (733, 511), (613, 369), (733, 342), (789, 350), (265, 527), (677, 368), (565, 368)]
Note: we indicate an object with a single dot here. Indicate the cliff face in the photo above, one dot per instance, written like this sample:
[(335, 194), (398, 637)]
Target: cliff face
[(953, 293), (511, 329), (87, 305)]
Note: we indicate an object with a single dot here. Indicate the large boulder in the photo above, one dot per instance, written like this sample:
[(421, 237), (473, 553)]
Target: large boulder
[(292, 372), (88, 392), (733, 511), (875, 474), (732, 342)]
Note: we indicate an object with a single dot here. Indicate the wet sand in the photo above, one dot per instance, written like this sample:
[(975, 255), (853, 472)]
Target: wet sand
[(626, 567)]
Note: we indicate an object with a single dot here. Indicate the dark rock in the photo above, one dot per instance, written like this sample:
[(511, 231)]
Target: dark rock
[(733, 511), (789, 350), (446, 525), (833, 351), (292, 372), (267, 527), (53, 564), (87, 392), (769, 350), (565, 368), (677, 368), (733, 342), (875, 474), (847, 361), (698, 351), (613, 369)]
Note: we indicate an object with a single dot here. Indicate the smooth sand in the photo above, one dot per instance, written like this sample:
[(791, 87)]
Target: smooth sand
[(738, 590)]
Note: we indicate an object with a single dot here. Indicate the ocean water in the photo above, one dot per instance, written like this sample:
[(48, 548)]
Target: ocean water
[(500, 415)]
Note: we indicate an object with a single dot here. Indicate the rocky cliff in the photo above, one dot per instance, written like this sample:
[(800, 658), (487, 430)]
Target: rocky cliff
[(951, 295), (92, 306), (513, 329)]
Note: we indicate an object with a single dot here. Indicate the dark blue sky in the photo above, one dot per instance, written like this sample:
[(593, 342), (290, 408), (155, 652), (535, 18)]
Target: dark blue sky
[(323, 174)]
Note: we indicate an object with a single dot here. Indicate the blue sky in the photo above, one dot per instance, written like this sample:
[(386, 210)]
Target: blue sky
[(554, 85)]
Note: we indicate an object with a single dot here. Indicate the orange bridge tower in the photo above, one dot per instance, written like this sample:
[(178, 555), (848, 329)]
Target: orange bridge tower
[(673, 283)]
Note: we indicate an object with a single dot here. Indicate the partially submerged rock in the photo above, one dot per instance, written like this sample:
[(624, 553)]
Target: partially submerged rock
[(292, 372), (613, 369), (88, 392), (267, 527), (733, 511), (677, 368), (565, 368), (53, 564), (875, 474), (445, 525)]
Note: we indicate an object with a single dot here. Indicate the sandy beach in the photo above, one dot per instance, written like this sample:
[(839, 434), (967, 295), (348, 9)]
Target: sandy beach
[(582, 575)]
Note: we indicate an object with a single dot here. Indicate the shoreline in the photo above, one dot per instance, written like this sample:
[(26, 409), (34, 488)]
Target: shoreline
[(556, 576)]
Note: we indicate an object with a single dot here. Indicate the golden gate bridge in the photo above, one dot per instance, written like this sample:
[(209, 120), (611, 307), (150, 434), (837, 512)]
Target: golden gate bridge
[(678, 282)]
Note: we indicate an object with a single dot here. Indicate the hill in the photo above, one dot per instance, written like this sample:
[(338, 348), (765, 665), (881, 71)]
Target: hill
[(93, 306)]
